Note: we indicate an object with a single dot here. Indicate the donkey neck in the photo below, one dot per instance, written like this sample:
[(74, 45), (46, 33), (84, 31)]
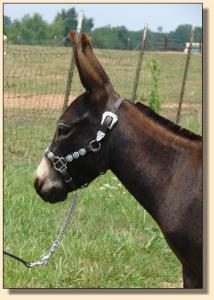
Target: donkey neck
[(143, 155)]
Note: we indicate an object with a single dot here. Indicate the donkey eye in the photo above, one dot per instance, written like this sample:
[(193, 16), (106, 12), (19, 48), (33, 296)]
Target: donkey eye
[(63, 129)]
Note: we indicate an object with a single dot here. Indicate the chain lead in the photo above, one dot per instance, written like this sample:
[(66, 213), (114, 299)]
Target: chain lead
[(46, 257)]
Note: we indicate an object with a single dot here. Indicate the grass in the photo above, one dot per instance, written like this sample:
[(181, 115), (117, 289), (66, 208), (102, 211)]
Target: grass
[(108, 245), (112, 242), (43, 70)]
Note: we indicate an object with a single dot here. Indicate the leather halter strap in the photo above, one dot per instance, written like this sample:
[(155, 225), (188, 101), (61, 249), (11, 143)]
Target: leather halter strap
[(109, 119), (117, 105)]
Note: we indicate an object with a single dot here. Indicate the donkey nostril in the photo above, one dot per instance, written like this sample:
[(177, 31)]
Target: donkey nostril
[(38, 184)]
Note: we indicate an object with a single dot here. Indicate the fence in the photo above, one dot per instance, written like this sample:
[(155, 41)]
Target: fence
[(34, 88), (35, 82), (165, 45)]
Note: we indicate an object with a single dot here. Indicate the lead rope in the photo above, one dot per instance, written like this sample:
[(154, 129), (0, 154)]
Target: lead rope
[(60, 166), (44, 259)]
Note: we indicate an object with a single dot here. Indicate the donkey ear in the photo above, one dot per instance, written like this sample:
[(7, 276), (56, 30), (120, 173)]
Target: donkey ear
[(89, 77), (89, 53)]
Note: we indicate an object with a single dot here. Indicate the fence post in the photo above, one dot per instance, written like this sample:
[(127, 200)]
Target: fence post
[(185, 75), (200, 47), (71, 67), (165, 42), (140, 58)]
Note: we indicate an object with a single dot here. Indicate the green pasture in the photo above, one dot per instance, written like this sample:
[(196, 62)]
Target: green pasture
[(43, 70), (112, 242)]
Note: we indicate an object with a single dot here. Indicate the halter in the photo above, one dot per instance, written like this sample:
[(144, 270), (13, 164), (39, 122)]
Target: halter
[(109, 119), (60, 164)]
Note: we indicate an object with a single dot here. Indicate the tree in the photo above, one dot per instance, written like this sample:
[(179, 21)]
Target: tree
[(36, 28), (7, 22), (160, 28), (65, 21), (87, 24), (56, 32), (14, 32), (111, 37), (33, 30), (198, 35), (181, 34), (29, 30)]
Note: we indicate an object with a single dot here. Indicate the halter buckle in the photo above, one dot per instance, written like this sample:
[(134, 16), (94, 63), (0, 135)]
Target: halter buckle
[(112, 116)]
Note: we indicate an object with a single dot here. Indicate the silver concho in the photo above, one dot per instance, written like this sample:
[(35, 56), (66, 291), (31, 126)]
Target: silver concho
[(76, 155), (50, 154), (69, 158), (82, 152)]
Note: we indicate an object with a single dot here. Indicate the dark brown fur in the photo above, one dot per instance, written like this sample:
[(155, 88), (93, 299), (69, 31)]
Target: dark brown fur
[(159, 162)]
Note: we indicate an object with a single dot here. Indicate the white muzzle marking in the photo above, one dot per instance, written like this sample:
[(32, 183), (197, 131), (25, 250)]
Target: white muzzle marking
[(44, 170)]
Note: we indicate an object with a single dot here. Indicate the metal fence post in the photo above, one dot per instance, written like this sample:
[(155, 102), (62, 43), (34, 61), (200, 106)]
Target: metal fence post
[(165, 42), (71, 67), (140, 58), (185, 75)]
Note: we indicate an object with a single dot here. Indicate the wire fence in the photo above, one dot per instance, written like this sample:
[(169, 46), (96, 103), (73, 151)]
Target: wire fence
[(35, 82)]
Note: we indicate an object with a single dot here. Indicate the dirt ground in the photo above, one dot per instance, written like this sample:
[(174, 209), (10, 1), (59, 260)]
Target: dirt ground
[(55, 101)]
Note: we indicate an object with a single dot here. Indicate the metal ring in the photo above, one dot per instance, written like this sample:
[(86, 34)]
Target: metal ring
[(95, 146)]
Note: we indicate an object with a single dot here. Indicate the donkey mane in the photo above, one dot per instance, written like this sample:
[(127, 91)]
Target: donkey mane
[(178, 130), (157, 161)]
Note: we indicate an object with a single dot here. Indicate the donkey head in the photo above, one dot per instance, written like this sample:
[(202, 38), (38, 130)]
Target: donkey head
[(76, 131)]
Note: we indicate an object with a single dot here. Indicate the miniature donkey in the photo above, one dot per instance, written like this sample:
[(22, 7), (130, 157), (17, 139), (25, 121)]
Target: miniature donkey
[(158, 162)]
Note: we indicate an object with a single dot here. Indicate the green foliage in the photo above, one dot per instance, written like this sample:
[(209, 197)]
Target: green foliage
[(7, 22), (68, 21), (154, 99), (87, 24), (34, 30), (192, 122), (28, 30), (154, 40), (111, 37), (56, 31), (198, 34), (182, 34)]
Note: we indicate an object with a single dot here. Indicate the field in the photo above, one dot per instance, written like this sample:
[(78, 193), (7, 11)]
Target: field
[(112, 242)]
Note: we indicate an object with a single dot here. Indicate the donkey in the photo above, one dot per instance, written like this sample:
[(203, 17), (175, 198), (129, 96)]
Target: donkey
[(158, 162)]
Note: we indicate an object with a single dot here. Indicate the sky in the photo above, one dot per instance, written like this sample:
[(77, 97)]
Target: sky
[(132, 16)]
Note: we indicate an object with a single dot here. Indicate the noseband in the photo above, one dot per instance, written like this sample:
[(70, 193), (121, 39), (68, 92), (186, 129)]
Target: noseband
[(60, 164)]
